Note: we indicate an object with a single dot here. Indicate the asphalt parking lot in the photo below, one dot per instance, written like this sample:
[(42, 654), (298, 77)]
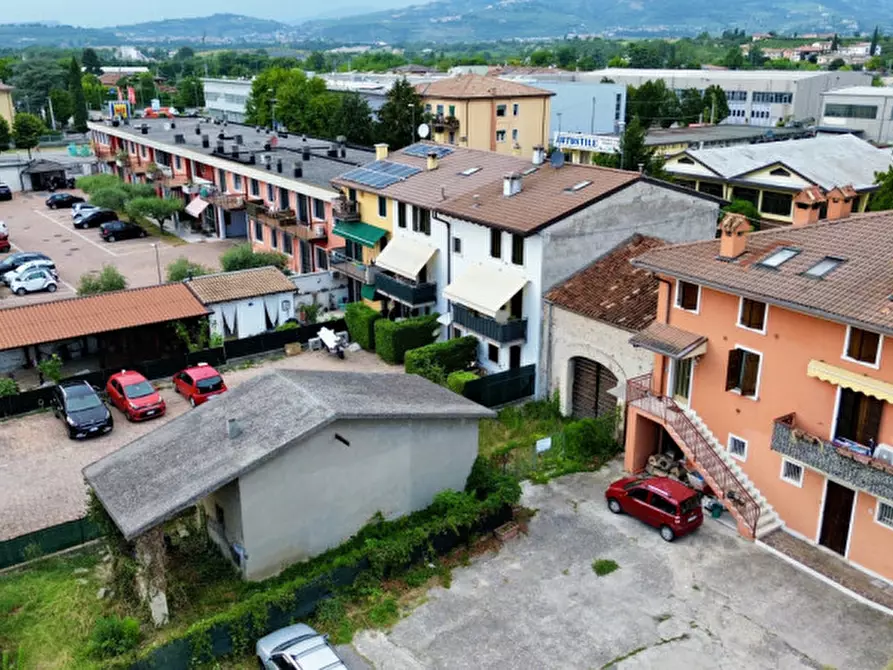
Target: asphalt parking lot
[(33, 227)]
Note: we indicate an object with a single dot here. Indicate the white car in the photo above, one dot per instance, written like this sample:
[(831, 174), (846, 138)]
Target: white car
[(81, 209), (35, 280), (39, 264)]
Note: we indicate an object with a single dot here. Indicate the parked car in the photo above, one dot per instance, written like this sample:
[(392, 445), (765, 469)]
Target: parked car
[(13, 261), (5, 191), (120, 230), (80, 407), (62, 200), (297, 647), (36, 264), (661, 502), (92, 218), (4, 237), (199, 384), (81, 208), (31, 281), (132, 393)]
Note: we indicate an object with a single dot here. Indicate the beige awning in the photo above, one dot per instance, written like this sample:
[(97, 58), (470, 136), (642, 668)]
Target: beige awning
[(405, 257), (854, 381), (667, 340), (485, 289), (196, 207)]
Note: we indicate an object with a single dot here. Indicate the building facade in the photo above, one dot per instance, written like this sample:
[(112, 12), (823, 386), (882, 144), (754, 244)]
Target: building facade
[(226, 99), (7, 109), (867, 110)]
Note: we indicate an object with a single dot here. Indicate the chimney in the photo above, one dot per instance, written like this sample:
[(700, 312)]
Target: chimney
[(198, 130), (511, 184), (381, 151), (305, 152), (173, 124), (279, 165), (233, 429), (234, 151), (206, 142), (145, 129), (733, 240), (220, 148), (343, 152), (239, 139), (807, 206), (539, 154), (840, 202), (332, 151), (516, 149), (432, 160), (299, 170), (439, 137)]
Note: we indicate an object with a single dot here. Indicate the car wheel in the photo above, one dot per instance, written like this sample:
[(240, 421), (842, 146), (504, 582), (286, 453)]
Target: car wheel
[(260, 663), (143, 233), (667, 533), (51, 288), (192, 400), (110, 238), (52, 206), (21, 291), (614, 506)]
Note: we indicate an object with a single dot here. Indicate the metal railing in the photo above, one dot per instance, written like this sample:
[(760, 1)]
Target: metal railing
[(696, 447), (345, 210), (280, 217), (352, 268), (406, 291), (510, 331)]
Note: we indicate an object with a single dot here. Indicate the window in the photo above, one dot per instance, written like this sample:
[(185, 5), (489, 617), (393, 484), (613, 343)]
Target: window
[(274, 238), (270, 196), (322, 259), (777, 258), (452, 110), (496, 243), (752, 315), (618, 102), (777, 98), (687, 296), (777, 203), (862, 346), (221, 179), (743, 373), (177, 162), (840, 111), (517, 250), (382, 207), (579, 186), (514, 134), (401, 214), (258, 231), (792, 472), (452, 137), (143, 150), (639, 494), (237, 182), (255, 187), (493, 353), (516, 109), (428, 108), (470, 171), (736, 96), (751, 195), (710, 189), (737, 447), (500, 110), (457, 245), (884, 514), (823, 267), (663, 504), (287, 244), (319, 209), (858, 417), (439, 110), (421, 220), (500, 136)]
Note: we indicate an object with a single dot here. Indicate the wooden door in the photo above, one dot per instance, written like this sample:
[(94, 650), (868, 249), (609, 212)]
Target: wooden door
[(836, 517)]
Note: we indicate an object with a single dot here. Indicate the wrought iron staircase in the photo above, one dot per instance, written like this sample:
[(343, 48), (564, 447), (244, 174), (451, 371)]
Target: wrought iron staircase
[(739, 495)]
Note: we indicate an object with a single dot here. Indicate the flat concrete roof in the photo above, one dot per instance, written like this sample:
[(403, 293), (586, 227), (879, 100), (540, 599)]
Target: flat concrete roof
[(719, 133), (863, 91)]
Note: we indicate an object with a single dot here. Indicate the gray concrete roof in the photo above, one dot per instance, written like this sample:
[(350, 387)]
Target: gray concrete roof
[(162, 473), (879, 91), (719, 133)]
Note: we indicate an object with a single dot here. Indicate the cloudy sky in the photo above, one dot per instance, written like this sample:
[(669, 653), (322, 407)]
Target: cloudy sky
[(98, 13)]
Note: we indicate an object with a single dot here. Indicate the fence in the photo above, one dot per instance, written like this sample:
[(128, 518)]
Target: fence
[(278, 339), (502, 387), (46, 541)]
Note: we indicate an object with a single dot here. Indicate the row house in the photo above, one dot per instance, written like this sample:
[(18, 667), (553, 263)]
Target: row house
[(773, 376), (480, 237), (238, 182)]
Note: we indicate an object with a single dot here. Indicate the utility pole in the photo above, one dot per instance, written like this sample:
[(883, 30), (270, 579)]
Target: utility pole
[(157, 263), (592, 120), (52, 115)]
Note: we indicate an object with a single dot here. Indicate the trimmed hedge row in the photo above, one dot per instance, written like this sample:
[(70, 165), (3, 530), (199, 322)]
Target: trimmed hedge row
[(393, 339), (442, 358), (456, 381), (360, 320)]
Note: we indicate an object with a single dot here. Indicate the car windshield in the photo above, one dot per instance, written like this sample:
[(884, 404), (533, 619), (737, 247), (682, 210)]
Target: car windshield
[(78, 402), (208, 384), (138, 390), (689, 505)]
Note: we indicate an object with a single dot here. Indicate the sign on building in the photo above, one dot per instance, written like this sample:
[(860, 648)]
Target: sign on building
[(602, 144)]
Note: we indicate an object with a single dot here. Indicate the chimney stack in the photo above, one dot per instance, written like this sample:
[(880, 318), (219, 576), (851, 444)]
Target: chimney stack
[(279, 165), (840, 202), (432, 160), (807, 206), (381, 151), (206, 142), (539, 154), (233, 429), (733, 240), (299, 170), (305, 152), (198, 130), (511, 184)]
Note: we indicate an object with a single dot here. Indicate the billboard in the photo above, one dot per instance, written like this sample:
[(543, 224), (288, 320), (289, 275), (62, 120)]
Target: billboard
[(602, 144), (119, 109)]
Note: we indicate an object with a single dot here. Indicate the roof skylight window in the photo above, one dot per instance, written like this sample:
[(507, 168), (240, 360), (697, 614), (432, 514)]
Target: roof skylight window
[(778, 257), (823, 267), (579, 186), (470, 171)]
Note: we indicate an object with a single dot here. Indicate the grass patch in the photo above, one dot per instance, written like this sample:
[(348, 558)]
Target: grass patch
[(604, 566), (522, 425)]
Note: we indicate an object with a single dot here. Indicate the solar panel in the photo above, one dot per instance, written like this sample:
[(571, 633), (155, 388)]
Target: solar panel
[(422, 150), (380, 174)]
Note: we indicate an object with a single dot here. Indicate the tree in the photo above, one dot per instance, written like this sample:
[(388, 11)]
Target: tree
[(184, 53), (94, 92), (316, 62), (734, 59), (5, 136), (26, 131), (190, 93), (875, 38), (716, 106), (110, 197), (76, 89), (61, 107), (882, 198), (745, 207), (145, 88), (653, 103), (401, 110), (183, 268), (634, 153), (540, 58), (243, 257), (835, 43), (691, 106), (91, 183), (353, 119), (836, 64), (34, 78), (108, 279), (159, 209), (91, 62)]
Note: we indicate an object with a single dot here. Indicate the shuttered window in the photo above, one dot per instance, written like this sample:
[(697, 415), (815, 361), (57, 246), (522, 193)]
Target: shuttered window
[(743, 372), (863, 346), (753, 314), (687, 296), (858, 417)]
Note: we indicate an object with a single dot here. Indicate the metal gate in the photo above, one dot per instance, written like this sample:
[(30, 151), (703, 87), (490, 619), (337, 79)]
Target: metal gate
[(590, 395)]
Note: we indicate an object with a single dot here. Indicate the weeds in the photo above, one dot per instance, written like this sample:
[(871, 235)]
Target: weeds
[(604, 566)]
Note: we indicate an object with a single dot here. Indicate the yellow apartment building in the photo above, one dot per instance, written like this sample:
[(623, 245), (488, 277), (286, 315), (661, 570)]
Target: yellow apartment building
[(7, 111), (488, 113)]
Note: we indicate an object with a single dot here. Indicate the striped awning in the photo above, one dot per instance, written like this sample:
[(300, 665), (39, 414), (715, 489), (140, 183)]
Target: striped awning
[(854, 381)]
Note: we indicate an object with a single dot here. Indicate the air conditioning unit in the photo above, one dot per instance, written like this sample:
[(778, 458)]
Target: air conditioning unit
[(884, 452), (319, 229)]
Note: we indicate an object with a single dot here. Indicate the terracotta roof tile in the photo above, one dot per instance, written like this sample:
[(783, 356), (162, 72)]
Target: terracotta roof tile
[(77, 317), (252, 283), (479, 86), (611, 289)]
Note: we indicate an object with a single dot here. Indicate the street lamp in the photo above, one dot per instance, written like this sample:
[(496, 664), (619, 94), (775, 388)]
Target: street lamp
[(157, 261)]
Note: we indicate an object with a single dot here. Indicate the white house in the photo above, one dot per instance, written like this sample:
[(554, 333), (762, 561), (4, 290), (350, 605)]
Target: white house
[(247, 302)]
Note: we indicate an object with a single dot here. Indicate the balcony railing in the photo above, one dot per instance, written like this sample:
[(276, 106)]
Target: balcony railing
[(406, 291), (354, 269), (445, 123), (275, 218), (838, 461), (309, 232), (510, 331), (229, 202), (345, 210)]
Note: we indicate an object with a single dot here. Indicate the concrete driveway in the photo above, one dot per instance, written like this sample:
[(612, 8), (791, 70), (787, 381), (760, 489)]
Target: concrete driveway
[(710, 600)]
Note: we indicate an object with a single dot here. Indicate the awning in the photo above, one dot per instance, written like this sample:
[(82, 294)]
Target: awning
[(485, 289), (667, 340), (196, 207), (368, 291), (405, 257), (361, 233), (854, 381)]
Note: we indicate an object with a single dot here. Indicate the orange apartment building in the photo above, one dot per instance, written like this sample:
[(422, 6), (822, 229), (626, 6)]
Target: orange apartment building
[(773, 374)]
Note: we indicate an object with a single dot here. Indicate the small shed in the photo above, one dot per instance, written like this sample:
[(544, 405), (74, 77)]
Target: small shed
[(44, 173)]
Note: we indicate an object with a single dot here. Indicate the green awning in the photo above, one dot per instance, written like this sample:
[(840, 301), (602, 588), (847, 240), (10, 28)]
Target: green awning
[(368, 291), (361, 233)]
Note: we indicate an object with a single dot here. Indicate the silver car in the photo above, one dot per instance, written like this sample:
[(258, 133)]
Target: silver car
[(297, 647)]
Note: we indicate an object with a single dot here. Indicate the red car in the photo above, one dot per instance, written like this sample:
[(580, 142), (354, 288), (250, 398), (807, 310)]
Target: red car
[(658, 501), (199, 383), (132, 393)]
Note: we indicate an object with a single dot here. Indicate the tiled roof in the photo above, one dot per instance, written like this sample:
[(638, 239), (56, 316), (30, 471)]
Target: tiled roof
[(858, 291), (77, 317), (668, 340), (252, 283), (611, 289), (479, 86)]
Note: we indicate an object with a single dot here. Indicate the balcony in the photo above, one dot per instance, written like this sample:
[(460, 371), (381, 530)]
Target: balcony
[(354, 269), (274, 218), (104, 153), (403, 290), (229, 202), (838, 461), (510, 331), (309, 231), (445, 124), (345, 210)]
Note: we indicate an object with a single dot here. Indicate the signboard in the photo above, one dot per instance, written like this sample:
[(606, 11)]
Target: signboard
[(119, 109), (543, 444), (603, 144), (156, 104)]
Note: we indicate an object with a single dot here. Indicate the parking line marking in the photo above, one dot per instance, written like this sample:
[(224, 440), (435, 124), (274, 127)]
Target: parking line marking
[(60, 280), (74, 231)]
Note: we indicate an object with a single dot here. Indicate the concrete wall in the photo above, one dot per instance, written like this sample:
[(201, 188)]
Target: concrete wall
[(7, 110), (320, 491), (228, 499), (878, 129), (585, 107)]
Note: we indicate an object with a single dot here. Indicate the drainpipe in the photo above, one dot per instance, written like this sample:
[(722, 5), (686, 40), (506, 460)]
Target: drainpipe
[(547, 368), (669, 286), (449, 255)]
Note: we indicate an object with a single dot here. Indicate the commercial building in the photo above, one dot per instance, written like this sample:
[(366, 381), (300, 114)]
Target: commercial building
[(226, 99), (773, 375), (7, 109), (867, 110)]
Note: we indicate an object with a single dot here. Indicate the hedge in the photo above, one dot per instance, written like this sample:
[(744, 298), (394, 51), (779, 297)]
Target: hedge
[(393, 339), (360, 319), (441, 358), (456, 381)]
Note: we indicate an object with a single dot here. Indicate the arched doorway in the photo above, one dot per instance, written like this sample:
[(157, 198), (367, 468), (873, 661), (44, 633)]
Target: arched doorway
[(590, 389)]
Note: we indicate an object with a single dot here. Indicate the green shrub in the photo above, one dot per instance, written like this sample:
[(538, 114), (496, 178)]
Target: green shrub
[(288, 325), (51, 368), (113, 636), (589, 439), (243, 257), (8, 387), (108, 279), (183, 268), (92, 183), (360, 319), (486, 480), (457, 380), (393, 339), (448, 357), (604, 566)]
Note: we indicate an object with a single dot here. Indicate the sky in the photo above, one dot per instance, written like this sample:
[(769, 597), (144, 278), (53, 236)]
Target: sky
[(101, 13)]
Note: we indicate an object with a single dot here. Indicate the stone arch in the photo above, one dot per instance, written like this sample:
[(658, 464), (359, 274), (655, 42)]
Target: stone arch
[(585, 350)]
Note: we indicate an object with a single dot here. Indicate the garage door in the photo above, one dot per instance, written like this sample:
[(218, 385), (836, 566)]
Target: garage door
[(591, 387)]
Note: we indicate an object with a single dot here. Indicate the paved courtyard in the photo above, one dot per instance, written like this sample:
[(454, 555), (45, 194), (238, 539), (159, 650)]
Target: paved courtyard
[(710, 600)]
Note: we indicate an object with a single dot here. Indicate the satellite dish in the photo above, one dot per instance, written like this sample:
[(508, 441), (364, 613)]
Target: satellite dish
[(556, 159), (501, 317), (423, 130)]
